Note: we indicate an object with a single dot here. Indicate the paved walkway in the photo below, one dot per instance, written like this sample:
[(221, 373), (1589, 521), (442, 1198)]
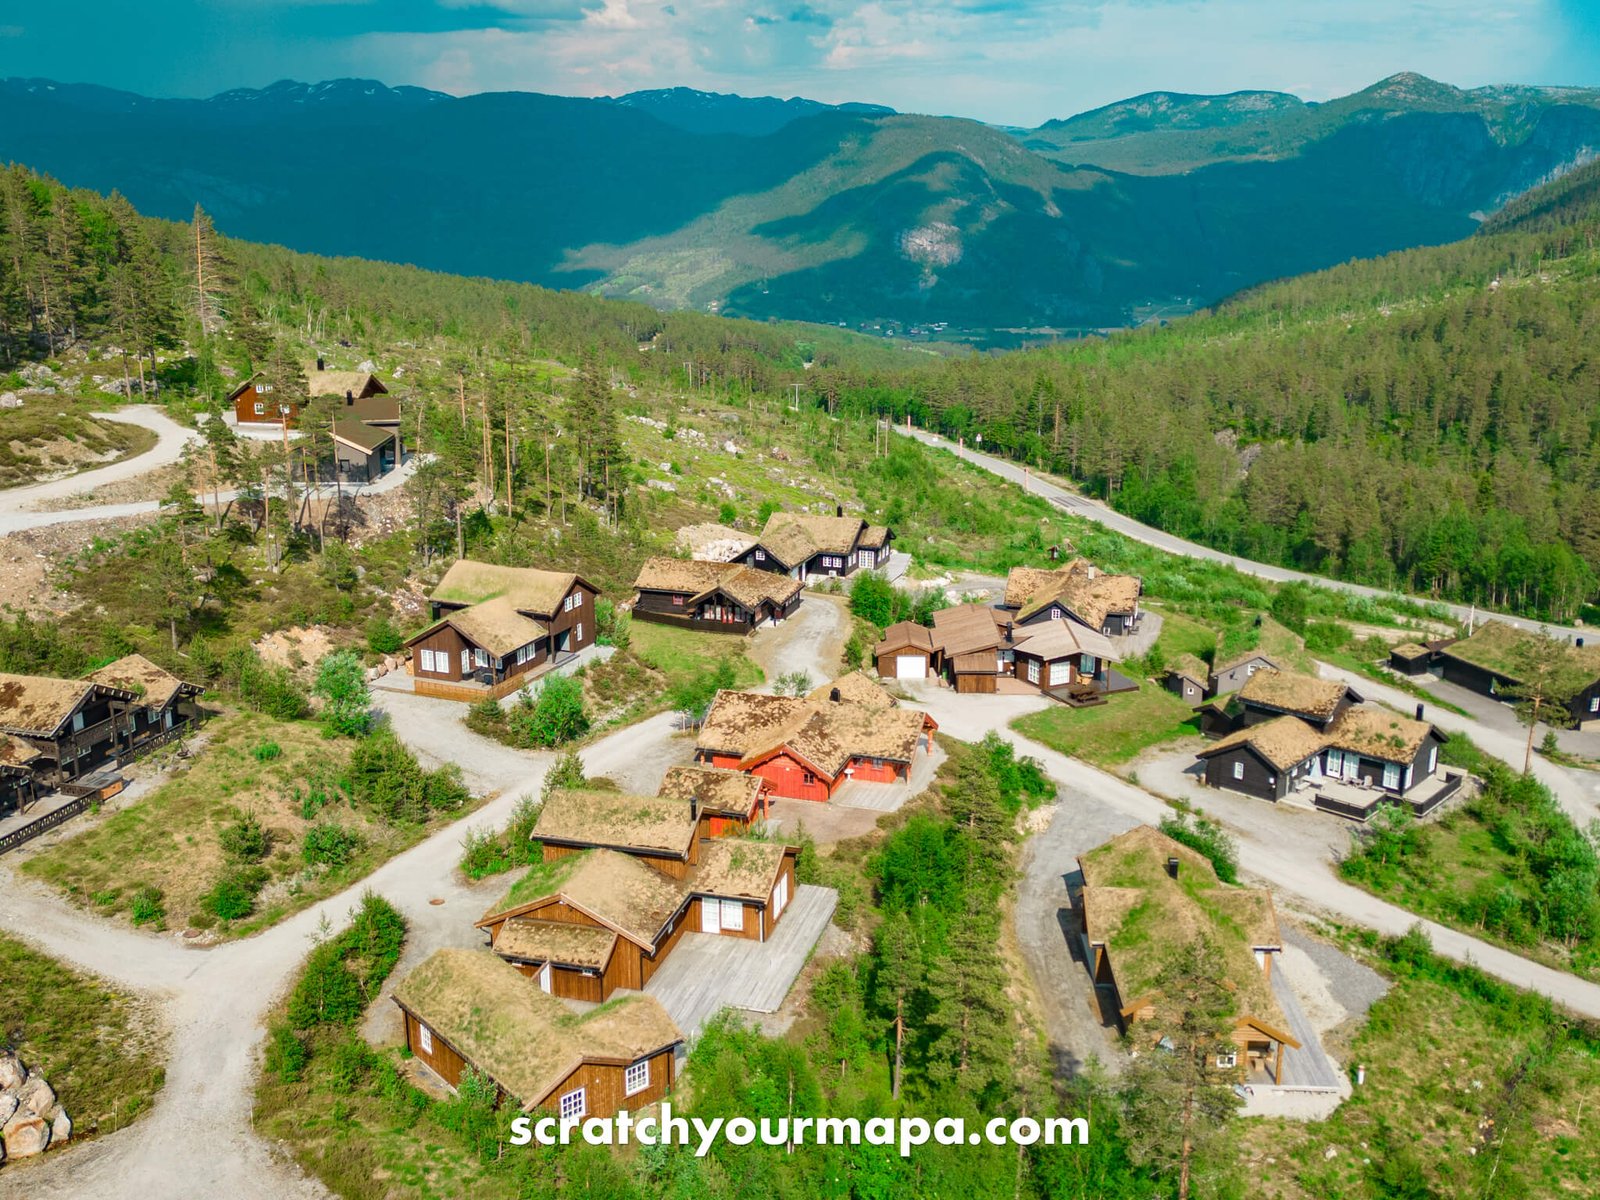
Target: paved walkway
[(708, 972), (1092, 510)]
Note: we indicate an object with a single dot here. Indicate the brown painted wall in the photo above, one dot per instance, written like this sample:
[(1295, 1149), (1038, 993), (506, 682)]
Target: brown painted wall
[(604, 1085), (566, 982), (676, 868), (975, 683), (444, 1061), (445, 639), (886, 662), (561, 622)]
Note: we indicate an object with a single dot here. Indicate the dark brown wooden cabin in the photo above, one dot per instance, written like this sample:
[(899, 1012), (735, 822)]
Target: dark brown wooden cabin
[(1268, 695), (806, 545), (712, 597), (76, 725)]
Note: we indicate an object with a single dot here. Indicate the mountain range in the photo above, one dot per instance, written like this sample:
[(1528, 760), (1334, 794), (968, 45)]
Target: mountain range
[(848, 214)]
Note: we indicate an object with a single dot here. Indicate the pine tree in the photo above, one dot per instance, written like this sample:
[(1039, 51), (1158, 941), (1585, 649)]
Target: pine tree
[(900, 973), (210, 271), (1544, 688), (972, 1044)]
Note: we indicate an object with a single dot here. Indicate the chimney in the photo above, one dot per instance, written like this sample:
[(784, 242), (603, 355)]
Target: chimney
[(1580, 643), (321, 366), (1011, 627), (1172, 865), (835, 695), (349, 397), (838, 510), (1093, 571), (1419, 712)]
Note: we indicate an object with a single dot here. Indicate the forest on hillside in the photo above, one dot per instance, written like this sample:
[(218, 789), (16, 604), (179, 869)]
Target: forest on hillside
[(1425, 421)]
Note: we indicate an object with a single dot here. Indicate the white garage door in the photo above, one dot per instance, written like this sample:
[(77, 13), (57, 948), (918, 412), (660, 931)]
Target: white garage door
[(910, 666)]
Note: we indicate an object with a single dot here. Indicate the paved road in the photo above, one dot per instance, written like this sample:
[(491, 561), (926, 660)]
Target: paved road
[(1092, 510), (1296, 868), (170, 440)]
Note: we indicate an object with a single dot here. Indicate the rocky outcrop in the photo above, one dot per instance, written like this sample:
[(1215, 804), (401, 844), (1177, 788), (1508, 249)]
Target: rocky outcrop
[(31, 1119)]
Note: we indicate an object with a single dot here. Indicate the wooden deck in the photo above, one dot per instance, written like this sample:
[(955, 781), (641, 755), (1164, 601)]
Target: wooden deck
[(707, 973)]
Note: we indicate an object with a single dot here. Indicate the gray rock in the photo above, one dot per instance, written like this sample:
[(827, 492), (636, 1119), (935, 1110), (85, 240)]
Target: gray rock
[(61, 1128), (8, 1107), (37, 1095), (12, 1073), (26, 1135), (10, 400)]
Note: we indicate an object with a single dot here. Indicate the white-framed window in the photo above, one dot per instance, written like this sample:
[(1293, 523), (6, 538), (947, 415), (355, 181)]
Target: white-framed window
[(636, 1078), (524, 653), (1594, 704), (426, 657), (424, 1038), (1251, 669), (1033, 670), (575, 1104), (732, 914), (261, 408), (1433, 758), (1055, 614), (1391, 775), (577, 632), (480, 657), (466, 661), (761, 556), (1238, 770), (1335, 763), (1227, 1062)]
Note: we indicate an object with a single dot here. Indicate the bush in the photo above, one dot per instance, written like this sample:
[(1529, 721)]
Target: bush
[(873, 598), (266, 751), (327, 844), (233, 897), (344, 973), (554, 717), (287, 1054), (385, 777), (382, 636), (487, 852), (342, 687), (264, 689), (244, 841), (794, 683), (147, 907), (727, 514), (1207, 838)]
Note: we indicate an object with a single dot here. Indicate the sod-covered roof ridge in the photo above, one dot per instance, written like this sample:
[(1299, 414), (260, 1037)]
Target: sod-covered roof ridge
[(529, 589), (738, 868), (1294, 692), (1381, 734), (795, 538), (1143, 916), (526, 1040), (1283, 742), (16, 754), (855, 688), (39, 704), (824, 733), (155, 686), (595, 817), (495, 625), (614, 889), (1502, 648), (339, 383), (746, 585), (1078, 586), (1190, 667), (1238, 660), (717, 790), (533, 940)]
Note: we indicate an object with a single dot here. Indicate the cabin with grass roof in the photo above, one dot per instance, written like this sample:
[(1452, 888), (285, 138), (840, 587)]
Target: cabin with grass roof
[(729, 803), (1270, 694), (1077, 591), (1144, 897), (165, 705), (660, 831), (1492, 661), (469, 1010), (714, 597), (495, 628), (807, 545), (75, 725)]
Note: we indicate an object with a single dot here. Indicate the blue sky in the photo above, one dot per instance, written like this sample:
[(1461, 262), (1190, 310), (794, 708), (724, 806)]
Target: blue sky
[(1008, 61)]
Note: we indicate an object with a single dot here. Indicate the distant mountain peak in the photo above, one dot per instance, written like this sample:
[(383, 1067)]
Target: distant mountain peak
[(724, 112), (1408, 87)]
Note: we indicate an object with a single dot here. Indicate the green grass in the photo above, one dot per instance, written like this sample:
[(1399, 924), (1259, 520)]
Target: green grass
[(681, 655), (170, 839), (1113, 732), (100, 1049), (1181, 634), (30, 432), (1472, 1089)]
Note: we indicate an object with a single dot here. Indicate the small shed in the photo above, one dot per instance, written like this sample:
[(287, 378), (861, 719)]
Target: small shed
[(1187, 678), (976, 672), (1408, 658), (906, 652)]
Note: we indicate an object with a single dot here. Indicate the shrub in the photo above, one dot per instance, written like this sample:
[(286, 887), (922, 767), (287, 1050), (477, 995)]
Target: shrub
[(873, 598), (382, 636), (147, 907), (244, 841), (271, 690), (342, 687), (385, 777), (344, 973), (327, 844), (727, 514), (286, 1055), (1208, 838), (794, 683), (554, 717), (1290, 605), (233, 897), (266, 751)]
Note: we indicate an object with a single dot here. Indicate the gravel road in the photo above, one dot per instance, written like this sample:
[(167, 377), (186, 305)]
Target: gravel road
[(811, 641)]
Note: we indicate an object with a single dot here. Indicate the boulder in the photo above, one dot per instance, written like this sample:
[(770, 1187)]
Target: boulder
[(8, 1107), (61, 1128), (12, 1073), (36, 1094), (25, 1135)]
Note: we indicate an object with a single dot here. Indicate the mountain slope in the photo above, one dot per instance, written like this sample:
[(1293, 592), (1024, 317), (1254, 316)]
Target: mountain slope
[(771, 208)]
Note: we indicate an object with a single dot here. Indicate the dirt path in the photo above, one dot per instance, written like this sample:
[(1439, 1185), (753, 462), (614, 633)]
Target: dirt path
[(17, 504), (811, 641)]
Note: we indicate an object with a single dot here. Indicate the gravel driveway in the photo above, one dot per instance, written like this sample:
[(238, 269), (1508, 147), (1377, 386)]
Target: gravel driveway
[(811, 641)]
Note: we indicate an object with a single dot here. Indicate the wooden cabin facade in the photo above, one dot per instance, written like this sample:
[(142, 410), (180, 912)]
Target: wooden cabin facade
[(712, 597), (805, 546)]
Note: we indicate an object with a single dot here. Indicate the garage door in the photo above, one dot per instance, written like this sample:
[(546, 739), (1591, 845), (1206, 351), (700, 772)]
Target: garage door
[(910, 666)]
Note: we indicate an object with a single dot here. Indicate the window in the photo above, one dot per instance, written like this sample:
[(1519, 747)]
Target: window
[(466, 661), (1433, 758), (636, 1078), (761, 556), (808, 777), (1251, 669), (261, 409), (1594, 704), (480, 657), (1227, 1062), (77, 722), (1033, 670), (1391, 776), (424, 1038), (574, 1104), (577, 632), (427, 661), (1335, 763), (1055, 614), (524, 653), (1238, 770), (678, 600), (732, 914)]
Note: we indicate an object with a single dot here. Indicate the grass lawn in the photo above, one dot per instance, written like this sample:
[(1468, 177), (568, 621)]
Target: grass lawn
[(636, 682), (1472, 1089), (101, 1051), (170, 839), (1182, 634), (1113, 732)]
